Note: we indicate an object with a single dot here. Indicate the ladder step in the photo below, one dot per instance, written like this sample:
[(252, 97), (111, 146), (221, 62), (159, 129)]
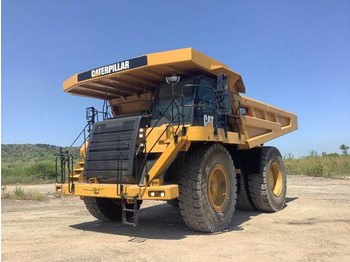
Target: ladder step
[(130, 210), (134, 210), (130, 197), (129, 223)]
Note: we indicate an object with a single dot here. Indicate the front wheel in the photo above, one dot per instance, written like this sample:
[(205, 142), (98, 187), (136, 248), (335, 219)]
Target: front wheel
[(107, 209), (208, 189)]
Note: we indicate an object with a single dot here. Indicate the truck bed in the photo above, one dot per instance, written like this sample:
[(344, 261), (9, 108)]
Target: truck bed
[(129, 86), (265, 122)]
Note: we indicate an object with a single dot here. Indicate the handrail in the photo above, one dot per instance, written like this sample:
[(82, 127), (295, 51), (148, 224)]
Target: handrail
[(67, 158)]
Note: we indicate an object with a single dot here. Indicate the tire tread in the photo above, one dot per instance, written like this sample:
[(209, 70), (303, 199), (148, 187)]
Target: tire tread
[(258, 186), (191, 206)]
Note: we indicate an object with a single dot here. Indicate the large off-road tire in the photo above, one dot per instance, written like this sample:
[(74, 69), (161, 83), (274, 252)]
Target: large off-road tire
[(107, 209), (269, 187), (244, 200), (208, 188), (173, 202)]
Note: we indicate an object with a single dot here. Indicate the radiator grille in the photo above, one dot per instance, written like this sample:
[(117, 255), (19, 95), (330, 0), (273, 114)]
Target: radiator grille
[(111, 151)]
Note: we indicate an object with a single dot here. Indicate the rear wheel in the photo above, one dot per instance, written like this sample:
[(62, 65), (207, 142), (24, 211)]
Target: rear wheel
[(244, 201), (208, 189), (107, 209), (269, 187)]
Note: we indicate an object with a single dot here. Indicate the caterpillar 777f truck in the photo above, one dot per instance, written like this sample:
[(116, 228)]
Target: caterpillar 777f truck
[(174, 127)]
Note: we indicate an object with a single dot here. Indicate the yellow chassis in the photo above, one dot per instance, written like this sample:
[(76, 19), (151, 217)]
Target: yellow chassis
[(154, 190), (264, 124), (110, 191)]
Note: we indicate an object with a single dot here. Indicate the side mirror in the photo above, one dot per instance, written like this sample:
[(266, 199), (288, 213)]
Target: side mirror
[(91, 114), (223, 96)]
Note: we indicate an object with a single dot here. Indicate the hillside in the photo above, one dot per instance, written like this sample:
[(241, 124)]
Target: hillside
[(21, 155), (28, 163)]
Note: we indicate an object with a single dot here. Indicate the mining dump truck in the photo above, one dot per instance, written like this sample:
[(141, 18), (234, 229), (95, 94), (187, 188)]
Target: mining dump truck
[(174, 127)]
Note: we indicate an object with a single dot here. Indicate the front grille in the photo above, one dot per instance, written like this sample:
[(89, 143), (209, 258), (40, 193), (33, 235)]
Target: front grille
[(111, 151)]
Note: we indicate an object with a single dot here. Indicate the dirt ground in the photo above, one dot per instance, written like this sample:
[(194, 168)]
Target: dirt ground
[(314, 226)]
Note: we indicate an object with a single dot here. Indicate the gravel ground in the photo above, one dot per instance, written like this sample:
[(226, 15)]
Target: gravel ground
[(314, 226)]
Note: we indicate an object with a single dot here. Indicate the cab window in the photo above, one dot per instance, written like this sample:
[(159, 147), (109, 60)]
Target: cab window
[(205, 97), (205, 92), (164, 99)]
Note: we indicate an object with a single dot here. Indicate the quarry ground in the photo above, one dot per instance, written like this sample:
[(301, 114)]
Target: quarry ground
[(314, 226)]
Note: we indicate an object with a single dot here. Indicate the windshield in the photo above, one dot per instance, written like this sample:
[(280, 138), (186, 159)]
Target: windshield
[(163, 102)]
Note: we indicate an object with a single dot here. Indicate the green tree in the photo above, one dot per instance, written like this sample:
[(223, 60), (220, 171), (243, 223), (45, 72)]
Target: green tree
[(313, 153), (344, 149), (43, 170)]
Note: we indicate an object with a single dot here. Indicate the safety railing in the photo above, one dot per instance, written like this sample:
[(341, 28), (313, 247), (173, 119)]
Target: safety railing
[(65, 160)]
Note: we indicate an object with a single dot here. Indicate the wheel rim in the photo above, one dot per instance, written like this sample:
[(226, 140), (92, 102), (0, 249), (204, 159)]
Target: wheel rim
[(275, 179), (218, 188)]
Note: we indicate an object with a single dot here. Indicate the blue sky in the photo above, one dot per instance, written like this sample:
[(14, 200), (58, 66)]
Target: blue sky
[(292, 54)]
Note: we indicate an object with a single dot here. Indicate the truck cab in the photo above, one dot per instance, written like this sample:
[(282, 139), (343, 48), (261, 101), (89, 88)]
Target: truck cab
[(195, 94)]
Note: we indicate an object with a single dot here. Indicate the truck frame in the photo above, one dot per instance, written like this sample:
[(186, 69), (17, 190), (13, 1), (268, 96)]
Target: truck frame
[(174, 127)]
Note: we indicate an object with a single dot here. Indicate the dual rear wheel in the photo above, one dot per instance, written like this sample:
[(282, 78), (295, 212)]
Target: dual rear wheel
[(208, 188), (268, 187)]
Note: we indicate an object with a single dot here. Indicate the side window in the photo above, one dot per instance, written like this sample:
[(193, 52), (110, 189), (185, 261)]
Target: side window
[(205, 100), (205, 92)]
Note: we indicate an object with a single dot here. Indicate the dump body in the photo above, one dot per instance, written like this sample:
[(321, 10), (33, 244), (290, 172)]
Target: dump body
[(126, 82), (264, 122), (164, 107)]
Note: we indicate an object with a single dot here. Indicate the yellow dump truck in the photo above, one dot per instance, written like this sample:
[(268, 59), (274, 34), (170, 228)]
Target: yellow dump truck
[(174, 127)]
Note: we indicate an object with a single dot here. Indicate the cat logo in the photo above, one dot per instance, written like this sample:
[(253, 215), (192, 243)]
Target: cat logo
[(96, 190), (113, 68), (208, 119), (110, 69)]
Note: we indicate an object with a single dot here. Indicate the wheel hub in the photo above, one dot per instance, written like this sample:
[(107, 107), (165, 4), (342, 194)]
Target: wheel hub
[(275, 179), (218, 188)]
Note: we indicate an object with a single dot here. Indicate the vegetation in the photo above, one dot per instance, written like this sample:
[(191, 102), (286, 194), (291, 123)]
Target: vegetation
[(327, 165), (24, 155), (20, 193), (344, 149), (41, 172), (28, 164)]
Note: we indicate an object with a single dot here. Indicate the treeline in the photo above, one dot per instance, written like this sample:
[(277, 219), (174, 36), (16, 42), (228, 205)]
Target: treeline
[(28, 163), (21, 155)]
